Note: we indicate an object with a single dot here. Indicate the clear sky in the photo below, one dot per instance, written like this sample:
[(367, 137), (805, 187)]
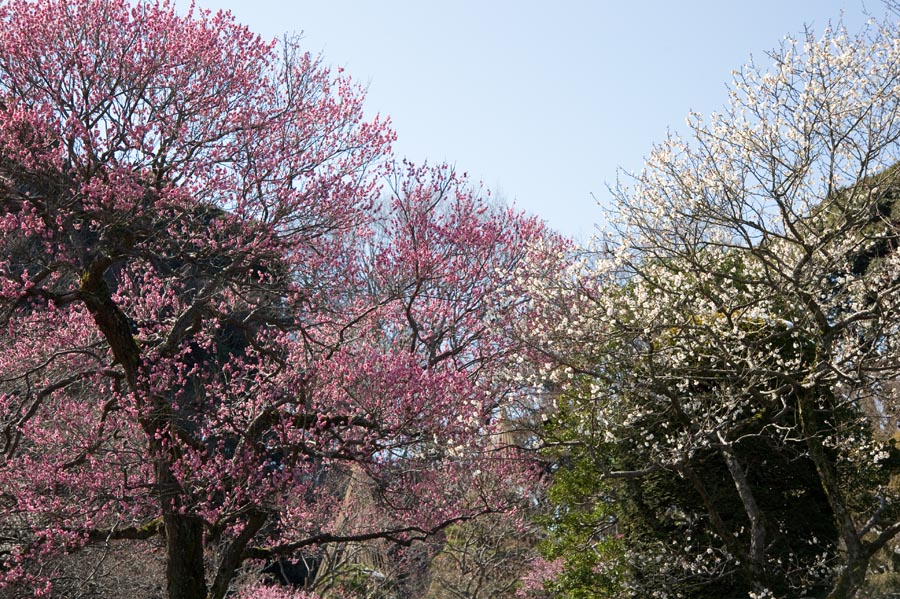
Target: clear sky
[(542, 101)]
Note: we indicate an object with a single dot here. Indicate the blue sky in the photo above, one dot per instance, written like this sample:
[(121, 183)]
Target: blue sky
[(542, 101)]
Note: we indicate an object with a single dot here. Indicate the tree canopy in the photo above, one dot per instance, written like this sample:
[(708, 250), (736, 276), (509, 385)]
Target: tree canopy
[(725, 362), (222, 300)]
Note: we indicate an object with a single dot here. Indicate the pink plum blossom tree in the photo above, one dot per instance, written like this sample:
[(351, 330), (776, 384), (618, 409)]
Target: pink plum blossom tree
[(213, 312)]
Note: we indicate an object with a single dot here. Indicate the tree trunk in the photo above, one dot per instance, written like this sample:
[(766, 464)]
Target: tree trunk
[(185, 572), (234, 555), (751, 508), (851, 579)]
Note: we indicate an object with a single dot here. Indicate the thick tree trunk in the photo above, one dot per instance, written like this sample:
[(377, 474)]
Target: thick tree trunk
[(185, 573)]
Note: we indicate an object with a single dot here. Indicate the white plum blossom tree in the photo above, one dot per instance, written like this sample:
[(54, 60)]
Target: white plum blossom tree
[(725, 361)]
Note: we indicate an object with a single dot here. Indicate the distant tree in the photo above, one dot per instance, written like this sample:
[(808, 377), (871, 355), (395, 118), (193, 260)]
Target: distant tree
[(726, 360), (212, 314), (483, 559)]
